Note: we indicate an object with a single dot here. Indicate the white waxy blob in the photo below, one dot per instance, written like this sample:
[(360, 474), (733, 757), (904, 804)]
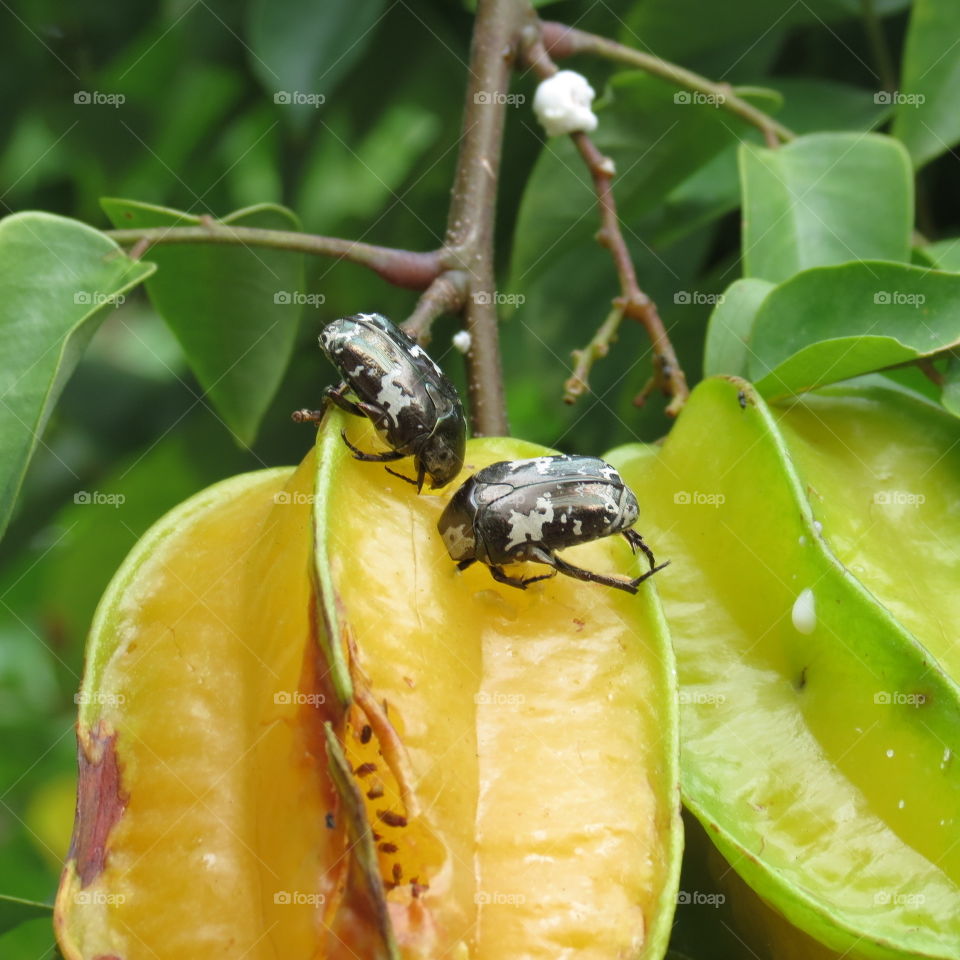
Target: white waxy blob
[(817, 527), (462, 341), (804, 612), (562, 104)]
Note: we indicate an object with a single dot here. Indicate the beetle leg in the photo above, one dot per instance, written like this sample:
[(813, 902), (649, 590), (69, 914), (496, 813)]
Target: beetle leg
[(387, 455), (498, 574), (307, 416), (469, 562), (636, 543), (337, 396), (402, 477), (621, 583)]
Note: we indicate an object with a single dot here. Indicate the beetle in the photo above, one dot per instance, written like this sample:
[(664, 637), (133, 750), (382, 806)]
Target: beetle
[(413, 406), (518, 510)]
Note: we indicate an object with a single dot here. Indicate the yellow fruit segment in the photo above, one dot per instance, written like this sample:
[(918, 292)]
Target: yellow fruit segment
[(196, 667), (536, 724)]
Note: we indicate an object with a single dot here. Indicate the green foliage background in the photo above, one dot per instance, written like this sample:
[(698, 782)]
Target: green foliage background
[(200, 131)]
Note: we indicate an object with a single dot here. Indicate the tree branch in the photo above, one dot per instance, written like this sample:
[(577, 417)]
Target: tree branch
[(469, 237), (562, 41), (403, 268), (668, 375), (445, 295)]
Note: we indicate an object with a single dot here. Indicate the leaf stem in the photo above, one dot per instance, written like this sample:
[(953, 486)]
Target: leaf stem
[(562, 41), (403, 268)]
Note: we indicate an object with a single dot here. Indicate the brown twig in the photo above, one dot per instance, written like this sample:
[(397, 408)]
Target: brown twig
[(562, 41), (445, 295), (668, 375), (469, 239), (403, 268)]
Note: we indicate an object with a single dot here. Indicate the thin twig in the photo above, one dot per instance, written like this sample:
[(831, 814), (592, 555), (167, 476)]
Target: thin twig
[(577, 385), (562, 41), (403, 268), (668, 375), (445, 295)]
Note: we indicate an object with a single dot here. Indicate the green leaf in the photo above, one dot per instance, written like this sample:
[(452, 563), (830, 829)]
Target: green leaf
[(833, 323), (814, 202), (728, 331), (58, 275), (944, 254), (950, 398), (808, 105), (657, 137), (299, 47), (14, 911), (926, 118), (234, 309)]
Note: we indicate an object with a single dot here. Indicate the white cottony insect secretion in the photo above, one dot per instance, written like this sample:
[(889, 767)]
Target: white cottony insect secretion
[(462, 341), (804, 612), (562, 104)]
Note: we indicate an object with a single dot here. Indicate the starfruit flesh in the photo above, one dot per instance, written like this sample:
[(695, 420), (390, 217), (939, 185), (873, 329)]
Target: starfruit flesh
[(835, 803), (412, 762)]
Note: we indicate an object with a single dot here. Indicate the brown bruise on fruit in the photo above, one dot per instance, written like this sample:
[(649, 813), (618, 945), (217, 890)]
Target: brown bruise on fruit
[(100, 801)]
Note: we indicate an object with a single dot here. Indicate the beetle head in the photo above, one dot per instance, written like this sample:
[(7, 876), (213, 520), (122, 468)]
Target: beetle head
[(442, 453), (456, 525)]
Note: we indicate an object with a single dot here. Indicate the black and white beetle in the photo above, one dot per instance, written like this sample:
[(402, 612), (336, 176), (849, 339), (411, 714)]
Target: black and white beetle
[(413, 406), (527, 509)]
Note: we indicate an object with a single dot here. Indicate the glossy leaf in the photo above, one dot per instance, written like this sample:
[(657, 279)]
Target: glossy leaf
[(944, 254), (234, 309), (59, 279), (298, 48), (950, 398), (813, 203), (833, 323), (728, 333), (926, 117), (817, 732), (15, 910)]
